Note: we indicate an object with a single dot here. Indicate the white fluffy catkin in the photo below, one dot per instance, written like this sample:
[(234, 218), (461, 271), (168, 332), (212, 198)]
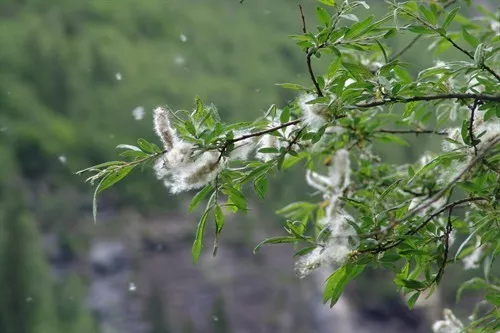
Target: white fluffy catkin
[(163, 127)]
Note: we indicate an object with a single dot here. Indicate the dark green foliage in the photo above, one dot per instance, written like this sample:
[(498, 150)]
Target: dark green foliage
[(27, 302), (73, 314)]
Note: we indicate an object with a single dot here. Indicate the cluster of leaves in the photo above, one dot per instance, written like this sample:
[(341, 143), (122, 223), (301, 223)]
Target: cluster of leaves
[(406, 217)]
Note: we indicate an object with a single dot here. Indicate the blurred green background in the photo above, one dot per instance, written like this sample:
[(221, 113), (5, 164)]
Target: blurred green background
[(79, 77)]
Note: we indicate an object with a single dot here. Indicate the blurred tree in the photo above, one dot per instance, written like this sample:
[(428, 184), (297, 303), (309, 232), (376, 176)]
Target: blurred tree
[(73, 316), (27, 303)]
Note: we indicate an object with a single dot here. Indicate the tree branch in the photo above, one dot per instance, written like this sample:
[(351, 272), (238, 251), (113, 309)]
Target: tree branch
[(451, 41), (304, 27), (416, 132), (266, 131), (392, 100), (473, 108), (309, 55), (310, 51), (417, 38), (406, 48), (311, 73), (484, 150), (449, 229), (391, 244)]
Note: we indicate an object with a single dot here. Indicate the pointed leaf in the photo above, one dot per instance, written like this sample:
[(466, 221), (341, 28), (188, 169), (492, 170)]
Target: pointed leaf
[(198, 198), (198, 241), (337, 282), (275, 240)]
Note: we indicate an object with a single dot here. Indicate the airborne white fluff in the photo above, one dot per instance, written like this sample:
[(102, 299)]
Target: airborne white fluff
[(336, 249), (450, 324)]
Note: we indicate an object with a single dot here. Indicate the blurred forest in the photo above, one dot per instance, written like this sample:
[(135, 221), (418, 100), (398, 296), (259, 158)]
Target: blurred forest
[(79, 77)]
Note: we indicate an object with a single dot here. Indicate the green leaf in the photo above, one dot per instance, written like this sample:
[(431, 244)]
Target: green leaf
[(295, 207), (467, 240), (198, 241), (292, 160), (198, 198), (390, 258), (391, 138), (257, 172), (133, 154), (330, 3), (490, 113), (323, 16), (337, 282), (464, 131), (473, 41), (269, 150), (472, 284), (219, 224), (381, 47), (260, 186), (275, 240), (219, 219), (146, 146), (304, 251), (285, 115), (428, 14), (390, 33), (292, 86), (450, 17), (412, 300), (350, 17), (114, 177), (413, 284), (493, 299), (402, 74), (421, 29), (236, 198), (130, 147), (334, 67), (358, 28), (190, 127), (100, 166), (437, 160), (355, 203), (94, 200), (479, 56), (389, 190)]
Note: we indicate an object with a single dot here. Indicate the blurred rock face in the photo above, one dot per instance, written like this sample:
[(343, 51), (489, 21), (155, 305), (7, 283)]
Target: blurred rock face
[(134, 279)]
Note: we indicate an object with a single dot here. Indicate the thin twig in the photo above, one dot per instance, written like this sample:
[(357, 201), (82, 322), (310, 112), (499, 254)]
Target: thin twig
[(392, 244), (311, 73), (392, 100), (416, 132), (473, 108), (309, 55), (484, 150), (310, 51), (295, 139), (449, 229), (304, 27), (266, 131), (451, 41), (406, 48), (492, 143)]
